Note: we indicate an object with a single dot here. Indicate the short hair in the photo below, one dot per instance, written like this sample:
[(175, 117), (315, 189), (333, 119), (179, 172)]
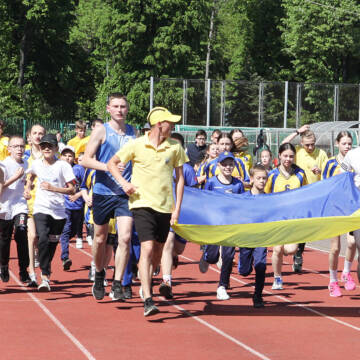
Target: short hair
[(178, 137), (116, 95), (16, 136), (96, 121), (201, 132), (80, 125), (216, 131), (287, 146), (38, 125), (342, 134), (308, 134), (257, 167), (233, 131)]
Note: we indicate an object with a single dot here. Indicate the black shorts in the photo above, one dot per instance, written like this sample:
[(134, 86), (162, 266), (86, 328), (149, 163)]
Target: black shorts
[(106, 207), (151, 224)]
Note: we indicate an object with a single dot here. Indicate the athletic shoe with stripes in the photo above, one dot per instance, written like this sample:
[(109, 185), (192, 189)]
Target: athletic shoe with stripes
[(334, 289), (349, 281)]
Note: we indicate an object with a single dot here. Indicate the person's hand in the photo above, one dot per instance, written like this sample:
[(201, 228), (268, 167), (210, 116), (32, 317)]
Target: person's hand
[(72, 198), (201, 179), (129, 188), (303, 129), (174, 217), (19, 172), (316, 170), (27, 195), (46, 186), (121, 167)]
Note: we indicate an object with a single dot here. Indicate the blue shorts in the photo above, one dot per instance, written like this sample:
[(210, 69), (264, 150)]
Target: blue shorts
[(106, 207)]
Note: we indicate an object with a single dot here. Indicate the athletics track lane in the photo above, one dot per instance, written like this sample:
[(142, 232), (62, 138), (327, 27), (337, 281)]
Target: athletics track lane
[(196, 325)]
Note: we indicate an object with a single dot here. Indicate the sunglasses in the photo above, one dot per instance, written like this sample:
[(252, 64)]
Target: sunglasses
[(46, 145)]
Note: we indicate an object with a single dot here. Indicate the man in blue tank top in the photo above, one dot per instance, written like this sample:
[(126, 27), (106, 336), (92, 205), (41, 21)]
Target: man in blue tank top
[(109, 199)]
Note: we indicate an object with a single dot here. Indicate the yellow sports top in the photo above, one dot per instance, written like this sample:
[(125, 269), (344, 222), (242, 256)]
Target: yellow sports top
[(4, 141), (307, 161), (152, 172), (277, 182)]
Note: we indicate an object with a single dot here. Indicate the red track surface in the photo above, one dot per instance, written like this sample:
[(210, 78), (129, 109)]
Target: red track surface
[(299, 322)]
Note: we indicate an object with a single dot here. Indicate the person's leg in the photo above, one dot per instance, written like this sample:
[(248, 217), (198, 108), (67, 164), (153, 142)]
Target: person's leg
[(245, 261), (20, 225), (65, 236), (259, 256), (167, 258), (32, 243), (56, 228), (6, 229), (227, 256), (298, 258), (145, 266), (79, 227), (334, 258), (357, 244), (349, 258), (277, 259)]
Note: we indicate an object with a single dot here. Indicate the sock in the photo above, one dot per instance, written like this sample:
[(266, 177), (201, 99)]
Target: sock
[(347, 266), (333, 275), (167, 278)]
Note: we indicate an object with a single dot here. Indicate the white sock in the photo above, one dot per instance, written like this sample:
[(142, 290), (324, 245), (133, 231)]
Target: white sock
[(167, 278), (347, 266), (333, 275)]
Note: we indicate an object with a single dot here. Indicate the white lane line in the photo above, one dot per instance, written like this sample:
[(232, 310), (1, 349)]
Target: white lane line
[(65, 331), (212, 327), (286, 300)]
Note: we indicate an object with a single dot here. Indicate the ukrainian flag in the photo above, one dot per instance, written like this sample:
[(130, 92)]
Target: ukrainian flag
[(314, 212)]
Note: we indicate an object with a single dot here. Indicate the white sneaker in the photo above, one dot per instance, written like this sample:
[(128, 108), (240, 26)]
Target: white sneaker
[(222, 294), (79, 243), (33, 280), (44, 286), (277, 284), (89, 240)]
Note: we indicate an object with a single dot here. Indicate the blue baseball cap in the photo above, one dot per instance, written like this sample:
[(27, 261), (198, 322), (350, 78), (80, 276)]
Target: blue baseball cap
[(225, 155)]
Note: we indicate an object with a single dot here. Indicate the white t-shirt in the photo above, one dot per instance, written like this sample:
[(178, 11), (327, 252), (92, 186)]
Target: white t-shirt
[(12, 199), (57, 174), (351, 162)]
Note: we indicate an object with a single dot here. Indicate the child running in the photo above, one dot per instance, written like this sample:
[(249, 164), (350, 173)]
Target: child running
[(224, 182), (55, 179), (286, 177), (249, 257), (332, 167)]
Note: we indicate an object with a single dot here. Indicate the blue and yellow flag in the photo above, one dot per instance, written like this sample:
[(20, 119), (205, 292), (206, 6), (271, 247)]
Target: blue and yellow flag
[(314, 212)]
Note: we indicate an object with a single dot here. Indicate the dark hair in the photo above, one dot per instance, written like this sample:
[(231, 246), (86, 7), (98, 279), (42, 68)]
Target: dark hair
[(233, 131), (227, 136), (287, 146), (342, 134), (179, 137), (116, 95), (201, 132), (95, 121), (266, 149), (217, 131), (257, 167)]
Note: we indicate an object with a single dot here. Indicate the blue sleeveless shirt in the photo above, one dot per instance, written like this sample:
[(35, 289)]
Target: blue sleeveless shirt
[(105, 183)]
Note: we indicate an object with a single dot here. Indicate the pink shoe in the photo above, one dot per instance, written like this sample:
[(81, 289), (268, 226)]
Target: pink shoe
[(349, 281), (334, 289)]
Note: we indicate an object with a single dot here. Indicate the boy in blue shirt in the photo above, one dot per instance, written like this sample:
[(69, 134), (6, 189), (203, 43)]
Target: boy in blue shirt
[(249, 257), (74, 208), (225, 183)]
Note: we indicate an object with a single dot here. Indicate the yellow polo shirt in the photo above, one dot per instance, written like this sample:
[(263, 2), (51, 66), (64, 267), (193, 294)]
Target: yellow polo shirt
[(307, 161), (152, 171), (81, 146), (4, 141)]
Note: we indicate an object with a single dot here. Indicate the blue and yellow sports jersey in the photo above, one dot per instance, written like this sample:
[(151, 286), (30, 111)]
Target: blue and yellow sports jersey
[(246, 159), (202, 167), (277, 182), (214, 184), (238, 172), (332, 168)]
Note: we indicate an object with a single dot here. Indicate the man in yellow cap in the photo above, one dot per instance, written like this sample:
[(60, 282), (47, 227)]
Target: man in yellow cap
[(154, 157)]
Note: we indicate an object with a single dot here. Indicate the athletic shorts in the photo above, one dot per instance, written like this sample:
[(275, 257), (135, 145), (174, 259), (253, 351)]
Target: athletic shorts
[(106, 207), (151, 224)]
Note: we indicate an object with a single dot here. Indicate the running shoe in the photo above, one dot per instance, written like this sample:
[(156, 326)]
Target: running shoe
[(277, 284), (4, 274), (349, 281), (89, 240), (33, 281), (44, 286), (222, 294), (92, 271), (79, 243), (24, 277), (141, 292), (98, 289), (116, 292), (127, 291), (334, 289), (298, 261), (203, 264), (149, 307), (165, 290), (258, 302), (67, 264)]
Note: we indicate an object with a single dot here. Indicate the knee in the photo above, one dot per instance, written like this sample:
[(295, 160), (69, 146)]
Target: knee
[(335, 251), (260, 268)]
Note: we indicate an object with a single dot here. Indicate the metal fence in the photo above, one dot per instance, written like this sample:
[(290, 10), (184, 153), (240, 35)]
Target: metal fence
[(255, 104)]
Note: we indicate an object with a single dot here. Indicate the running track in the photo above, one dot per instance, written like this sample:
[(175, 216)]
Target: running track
[(299, 322)]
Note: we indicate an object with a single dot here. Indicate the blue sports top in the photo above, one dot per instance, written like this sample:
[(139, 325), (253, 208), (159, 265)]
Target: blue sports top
[(79, 172), (105, 184), (236, 186)]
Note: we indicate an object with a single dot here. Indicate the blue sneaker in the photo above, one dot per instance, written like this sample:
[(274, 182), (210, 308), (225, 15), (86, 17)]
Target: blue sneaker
[(277, 284)]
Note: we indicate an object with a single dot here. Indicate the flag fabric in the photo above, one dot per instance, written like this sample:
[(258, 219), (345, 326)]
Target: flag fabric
[(313, 212)]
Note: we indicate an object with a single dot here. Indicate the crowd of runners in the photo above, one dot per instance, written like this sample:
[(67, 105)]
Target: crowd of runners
[(119, 183)]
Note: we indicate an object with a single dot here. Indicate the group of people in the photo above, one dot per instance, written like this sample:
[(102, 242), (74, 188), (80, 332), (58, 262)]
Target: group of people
[(121, 185)]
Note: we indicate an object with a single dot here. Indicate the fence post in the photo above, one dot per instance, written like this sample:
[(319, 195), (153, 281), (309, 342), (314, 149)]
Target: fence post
[(208, 103), (298, 105), (286, 103), (261, 105), (332, 148), (359, 105), (151, 92), (24, 129), (184, 109), (336, 102), (222, 110)]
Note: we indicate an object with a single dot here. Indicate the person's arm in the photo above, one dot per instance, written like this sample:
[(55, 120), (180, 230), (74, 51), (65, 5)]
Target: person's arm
[(17, 175), (87, 198), (96, 139), (179, 192), (68, 190), (29, 186), (1, 181), (115, 171), (75, 197), (293, 135)]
